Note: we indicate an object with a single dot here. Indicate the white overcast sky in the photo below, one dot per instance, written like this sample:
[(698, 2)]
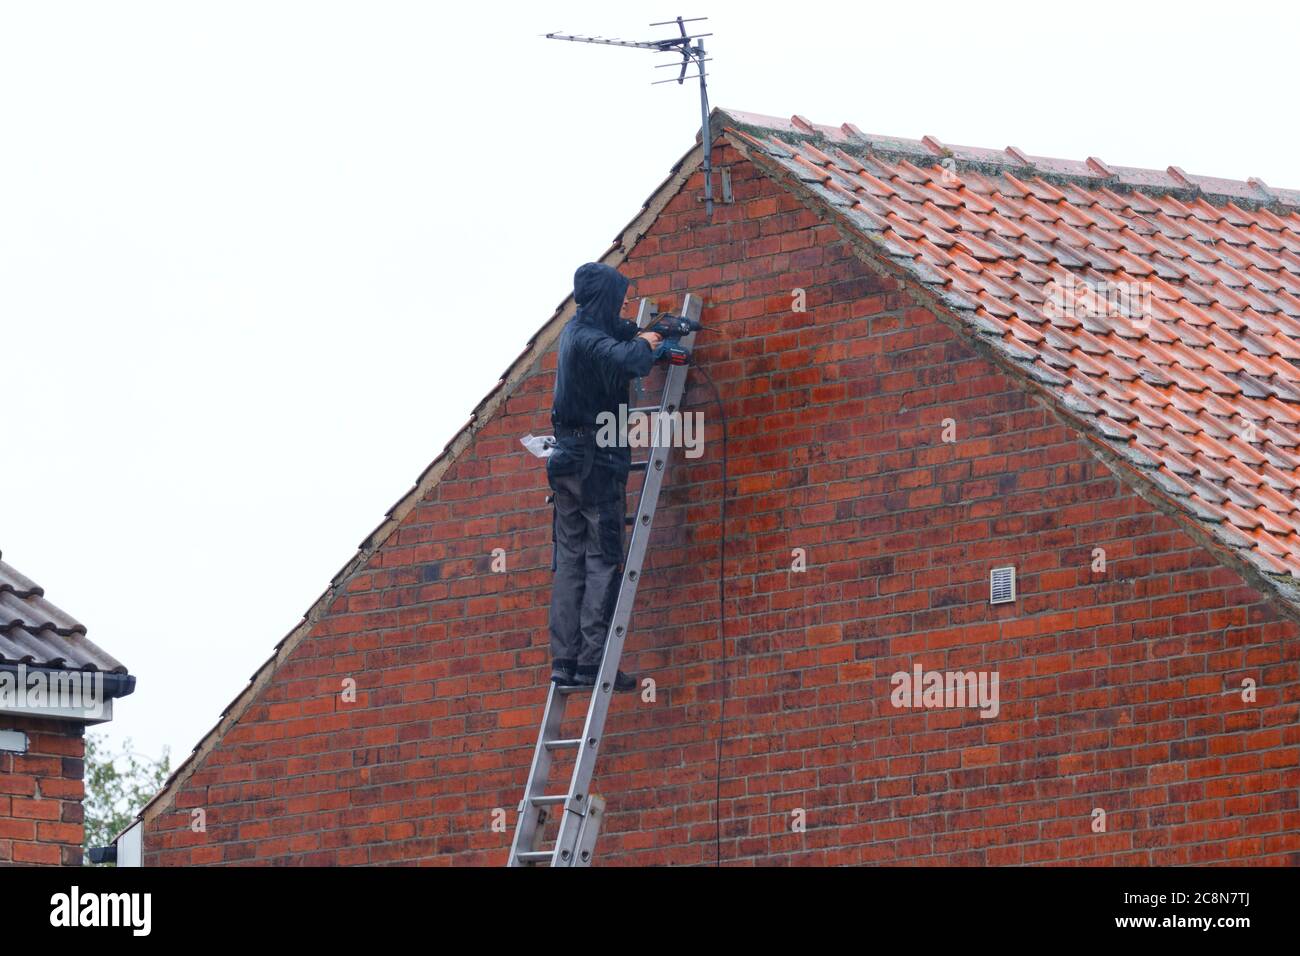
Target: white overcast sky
[(258, 261)]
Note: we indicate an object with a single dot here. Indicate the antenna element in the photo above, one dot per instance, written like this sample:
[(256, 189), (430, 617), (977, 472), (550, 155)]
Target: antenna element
[(691, 54)]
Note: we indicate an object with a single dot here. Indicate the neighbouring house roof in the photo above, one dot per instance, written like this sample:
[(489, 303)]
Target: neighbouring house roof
[(36, 633), (1160, 309), (981, 245)]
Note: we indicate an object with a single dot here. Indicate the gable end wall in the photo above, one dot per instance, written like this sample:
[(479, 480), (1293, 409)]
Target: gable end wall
[(1118, 690)]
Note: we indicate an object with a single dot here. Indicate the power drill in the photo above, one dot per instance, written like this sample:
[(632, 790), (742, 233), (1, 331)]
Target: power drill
[(672, 328)]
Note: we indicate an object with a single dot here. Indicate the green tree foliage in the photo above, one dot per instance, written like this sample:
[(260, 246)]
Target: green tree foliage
[(117, 786)]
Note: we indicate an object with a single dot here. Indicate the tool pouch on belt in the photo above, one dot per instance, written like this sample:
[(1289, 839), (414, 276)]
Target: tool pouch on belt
[(575, 453)]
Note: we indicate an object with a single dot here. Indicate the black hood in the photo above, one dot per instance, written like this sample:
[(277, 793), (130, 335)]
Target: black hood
[(599, 291)]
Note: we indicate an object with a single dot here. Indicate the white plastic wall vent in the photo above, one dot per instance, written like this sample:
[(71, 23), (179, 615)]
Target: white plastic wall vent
[(1002, 585)]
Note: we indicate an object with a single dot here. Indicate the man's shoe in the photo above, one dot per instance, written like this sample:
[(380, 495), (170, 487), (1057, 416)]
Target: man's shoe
[(562, 672), (586, 677)]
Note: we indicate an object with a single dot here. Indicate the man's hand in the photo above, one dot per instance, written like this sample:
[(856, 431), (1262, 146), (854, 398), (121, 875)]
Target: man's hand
[(652, 338)]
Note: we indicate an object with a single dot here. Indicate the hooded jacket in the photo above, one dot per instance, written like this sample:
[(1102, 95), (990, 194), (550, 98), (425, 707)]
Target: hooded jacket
[(599, 355)]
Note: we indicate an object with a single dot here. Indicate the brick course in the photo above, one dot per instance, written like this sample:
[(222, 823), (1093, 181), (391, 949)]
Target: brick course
[(41, 818), (1120, 690)]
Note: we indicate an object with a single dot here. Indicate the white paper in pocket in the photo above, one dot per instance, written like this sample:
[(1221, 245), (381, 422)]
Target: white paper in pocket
[(541, 446)]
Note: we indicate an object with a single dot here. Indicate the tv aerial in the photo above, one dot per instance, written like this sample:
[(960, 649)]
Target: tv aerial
[(692, 54)]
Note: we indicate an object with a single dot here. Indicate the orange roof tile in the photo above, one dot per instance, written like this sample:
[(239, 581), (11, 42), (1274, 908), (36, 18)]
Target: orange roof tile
[(1162, 309)]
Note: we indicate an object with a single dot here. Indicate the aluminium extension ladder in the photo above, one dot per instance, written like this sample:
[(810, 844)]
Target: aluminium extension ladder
[(581, 809)]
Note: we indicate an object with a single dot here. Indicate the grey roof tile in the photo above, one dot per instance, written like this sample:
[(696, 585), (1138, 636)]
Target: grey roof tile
[(37, 633)]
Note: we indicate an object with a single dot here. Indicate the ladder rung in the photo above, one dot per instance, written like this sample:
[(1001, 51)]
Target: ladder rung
[(560, 744), (571, 688), (639, 465), (549, 799), (533, 856)]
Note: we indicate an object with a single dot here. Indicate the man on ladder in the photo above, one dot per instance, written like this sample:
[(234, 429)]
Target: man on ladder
[(599, 355)]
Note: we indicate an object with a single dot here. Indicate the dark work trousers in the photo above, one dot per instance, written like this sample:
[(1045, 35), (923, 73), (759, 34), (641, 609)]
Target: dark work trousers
[(588, 559)]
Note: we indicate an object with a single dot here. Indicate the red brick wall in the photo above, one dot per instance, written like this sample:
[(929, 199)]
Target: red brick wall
[(41, 818), (1117, 689)]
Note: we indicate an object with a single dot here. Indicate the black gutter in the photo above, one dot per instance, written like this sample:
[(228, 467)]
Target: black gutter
[(103, 854), (115, 685)]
